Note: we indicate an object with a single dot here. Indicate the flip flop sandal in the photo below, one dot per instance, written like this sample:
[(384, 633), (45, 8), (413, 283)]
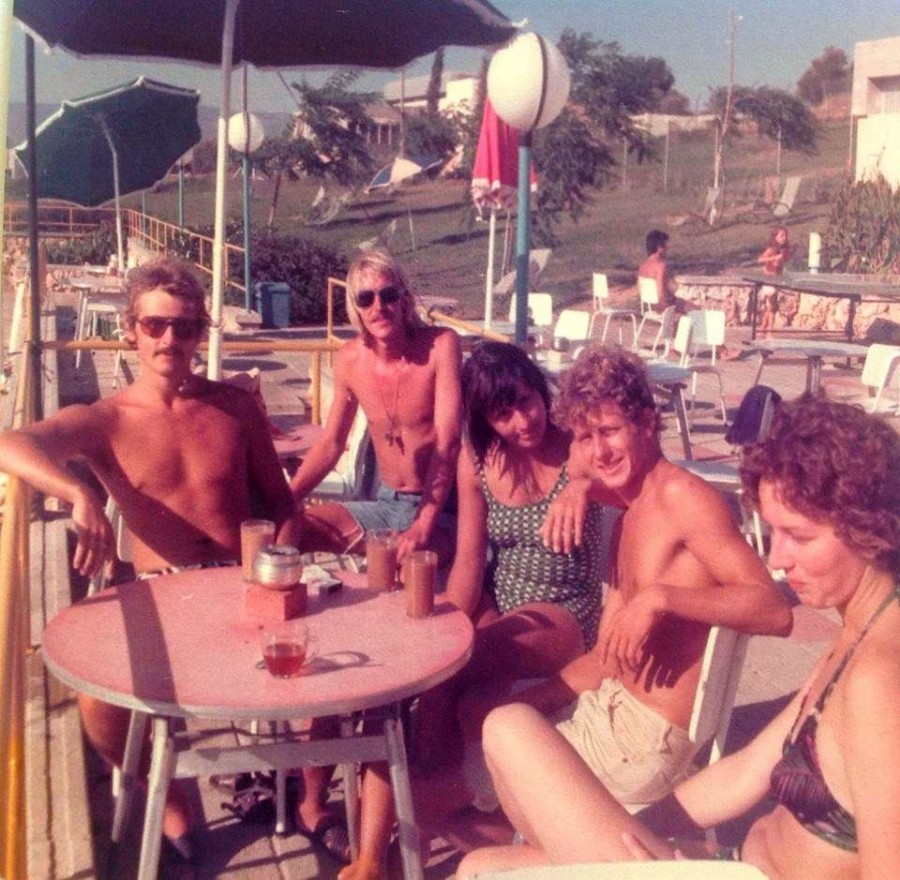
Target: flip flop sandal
[(330, 835)]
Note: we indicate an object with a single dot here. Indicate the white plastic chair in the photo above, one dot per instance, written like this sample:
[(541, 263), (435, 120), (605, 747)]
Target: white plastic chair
[(658, 870), (665, 320), (575, 326), (720, 674), (540, 309), (350, 478), (881, 367), (701, 328), (602, 309)]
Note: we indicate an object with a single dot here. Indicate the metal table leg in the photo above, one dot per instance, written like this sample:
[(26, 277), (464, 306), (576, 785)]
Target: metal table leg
[(133, 747), (409, 836), (161, 766)]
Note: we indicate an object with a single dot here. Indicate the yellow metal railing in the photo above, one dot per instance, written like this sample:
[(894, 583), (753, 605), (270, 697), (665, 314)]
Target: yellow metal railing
[(14, 615), (58, 220), (433, 316)]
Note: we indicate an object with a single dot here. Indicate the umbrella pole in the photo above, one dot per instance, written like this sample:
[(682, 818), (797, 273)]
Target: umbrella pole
[(522, 236), (115, 157), (34, 312), (214, 364), (489, 275)]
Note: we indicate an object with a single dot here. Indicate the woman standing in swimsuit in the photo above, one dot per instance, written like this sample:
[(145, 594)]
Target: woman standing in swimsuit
[(773, 259), (827, 480), (534, 609)]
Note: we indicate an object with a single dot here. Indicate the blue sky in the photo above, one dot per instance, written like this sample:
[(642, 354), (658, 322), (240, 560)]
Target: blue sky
[(774, 44)]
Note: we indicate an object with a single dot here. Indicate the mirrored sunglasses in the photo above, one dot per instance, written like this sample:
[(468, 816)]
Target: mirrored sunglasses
[(182, 328), (387, 295)]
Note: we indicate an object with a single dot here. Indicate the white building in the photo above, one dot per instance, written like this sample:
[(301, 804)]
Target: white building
[(459, 91), (876, 108)]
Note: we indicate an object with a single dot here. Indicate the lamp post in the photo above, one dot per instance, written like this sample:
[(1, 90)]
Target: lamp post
[(245, 136), (528, 84)]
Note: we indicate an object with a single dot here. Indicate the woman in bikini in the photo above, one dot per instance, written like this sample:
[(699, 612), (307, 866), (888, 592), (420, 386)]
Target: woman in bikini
[(534, 609), (827, 480)]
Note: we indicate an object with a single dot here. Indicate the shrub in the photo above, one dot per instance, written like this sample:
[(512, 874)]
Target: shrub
[(95, 248), (863, 233), (303, 265)]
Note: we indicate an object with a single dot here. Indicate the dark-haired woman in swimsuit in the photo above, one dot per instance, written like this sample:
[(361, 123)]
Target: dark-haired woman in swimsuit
[(827, 481)]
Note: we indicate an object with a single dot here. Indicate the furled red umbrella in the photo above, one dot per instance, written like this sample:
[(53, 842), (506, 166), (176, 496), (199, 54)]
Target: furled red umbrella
[(495, 178), (266, 33)]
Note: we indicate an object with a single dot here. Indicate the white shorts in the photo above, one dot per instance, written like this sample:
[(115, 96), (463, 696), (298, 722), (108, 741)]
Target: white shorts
[(636, 753)]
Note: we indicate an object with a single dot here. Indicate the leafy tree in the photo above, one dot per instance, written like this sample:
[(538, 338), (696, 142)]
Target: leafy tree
[(674, 103), (829, 74), (435, 135), (574, 154), (778, 115), (203, 159), (433, 95), (324, 140)]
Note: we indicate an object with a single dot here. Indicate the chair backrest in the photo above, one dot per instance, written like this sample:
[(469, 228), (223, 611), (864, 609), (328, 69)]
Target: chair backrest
[(540, 309), (881, 361), (708, 330), (681, 343), (349, 477), (720, 675), (648, 291), (600, 289), (655, 870), (573, 324)]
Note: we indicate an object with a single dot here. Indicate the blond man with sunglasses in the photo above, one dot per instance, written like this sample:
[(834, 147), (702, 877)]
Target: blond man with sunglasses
[(177, 452), (406, 378)]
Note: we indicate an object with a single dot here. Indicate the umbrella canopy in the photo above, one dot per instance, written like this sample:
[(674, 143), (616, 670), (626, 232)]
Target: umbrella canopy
[(114, 142), (495, 178), (266, 33), (402, 168)]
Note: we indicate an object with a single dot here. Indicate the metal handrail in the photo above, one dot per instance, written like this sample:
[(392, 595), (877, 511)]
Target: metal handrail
[(14, 614)]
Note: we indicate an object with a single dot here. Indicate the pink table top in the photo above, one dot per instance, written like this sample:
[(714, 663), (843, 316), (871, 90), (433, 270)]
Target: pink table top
[(180, 645)]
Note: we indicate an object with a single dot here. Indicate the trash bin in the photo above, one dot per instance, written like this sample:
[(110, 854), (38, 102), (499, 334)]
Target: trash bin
[(273, 302)]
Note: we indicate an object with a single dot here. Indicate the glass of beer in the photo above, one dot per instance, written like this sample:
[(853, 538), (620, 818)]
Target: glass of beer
[(420, 575), (381, 558)]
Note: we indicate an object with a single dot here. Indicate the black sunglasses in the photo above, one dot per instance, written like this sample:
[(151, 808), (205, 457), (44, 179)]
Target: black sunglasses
[(387, 295), (183, 328)]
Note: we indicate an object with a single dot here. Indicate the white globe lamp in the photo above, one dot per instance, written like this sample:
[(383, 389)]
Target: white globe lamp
[(245, 133), (528, 83)]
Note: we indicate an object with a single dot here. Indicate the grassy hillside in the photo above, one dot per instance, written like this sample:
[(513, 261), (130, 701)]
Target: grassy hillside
[(450, 252)]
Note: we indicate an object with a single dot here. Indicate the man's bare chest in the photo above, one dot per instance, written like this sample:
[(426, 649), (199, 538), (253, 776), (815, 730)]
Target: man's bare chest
[(158, 452)]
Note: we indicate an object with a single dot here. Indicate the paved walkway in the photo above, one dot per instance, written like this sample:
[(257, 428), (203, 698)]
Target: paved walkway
[(775, 667)]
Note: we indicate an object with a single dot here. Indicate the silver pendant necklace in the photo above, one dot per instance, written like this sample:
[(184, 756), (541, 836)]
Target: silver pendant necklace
[(392, 435)]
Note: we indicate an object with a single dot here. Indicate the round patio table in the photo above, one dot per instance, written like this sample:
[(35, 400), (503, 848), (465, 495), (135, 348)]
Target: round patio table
[(181, 646)]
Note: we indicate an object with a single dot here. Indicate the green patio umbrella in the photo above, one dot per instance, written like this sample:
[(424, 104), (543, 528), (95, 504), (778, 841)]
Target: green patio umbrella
[(121, 140)]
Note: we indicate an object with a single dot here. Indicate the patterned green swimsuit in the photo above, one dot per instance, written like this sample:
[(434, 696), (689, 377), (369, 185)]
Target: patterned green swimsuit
[(523, 570)]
